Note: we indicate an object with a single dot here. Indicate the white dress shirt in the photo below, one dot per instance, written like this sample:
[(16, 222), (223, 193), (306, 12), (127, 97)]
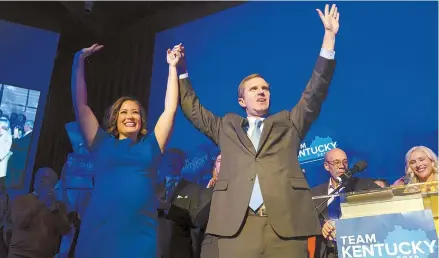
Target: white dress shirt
[(331, 188)]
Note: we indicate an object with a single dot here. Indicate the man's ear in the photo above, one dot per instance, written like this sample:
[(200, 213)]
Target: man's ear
[(326, 166), (241, 102)]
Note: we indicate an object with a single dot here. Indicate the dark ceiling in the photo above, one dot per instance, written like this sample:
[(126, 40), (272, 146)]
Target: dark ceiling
[(104, 19)]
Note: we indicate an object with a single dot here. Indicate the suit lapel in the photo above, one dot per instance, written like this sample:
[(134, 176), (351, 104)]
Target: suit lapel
[(268, 124), (238, 126), (322, 190)]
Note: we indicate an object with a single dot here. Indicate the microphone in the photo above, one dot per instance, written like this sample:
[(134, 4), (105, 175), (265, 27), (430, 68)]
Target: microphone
[(343, 180), (358, 167)]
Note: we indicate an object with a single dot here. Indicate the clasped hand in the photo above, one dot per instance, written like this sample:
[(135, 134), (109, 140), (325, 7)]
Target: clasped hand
[(174, 56)]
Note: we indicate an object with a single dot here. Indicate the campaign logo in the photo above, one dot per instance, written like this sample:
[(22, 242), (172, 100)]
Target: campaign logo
[(400, 242), (79, 163), (195, 163), (200, 159), (399, 235), (316, 150)]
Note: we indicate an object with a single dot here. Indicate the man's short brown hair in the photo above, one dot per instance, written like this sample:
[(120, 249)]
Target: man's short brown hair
[(241, 87)]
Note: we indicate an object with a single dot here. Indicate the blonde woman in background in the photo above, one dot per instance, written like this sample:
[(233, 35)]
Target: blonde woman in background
[(421, 165), (5, 145)]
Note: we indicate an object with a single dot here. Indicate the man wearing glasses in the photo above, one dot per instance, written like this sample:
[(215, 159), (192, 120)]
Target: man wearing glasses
[(336, 163)]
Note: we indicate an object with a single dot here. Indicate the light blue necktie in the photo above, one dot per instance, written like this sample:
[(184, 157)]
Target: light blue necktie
[(256, 199)]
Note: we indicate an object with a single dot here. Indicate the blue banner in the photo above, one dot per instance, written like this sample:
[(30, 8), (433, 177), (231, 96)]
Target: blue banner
[(399, 235)]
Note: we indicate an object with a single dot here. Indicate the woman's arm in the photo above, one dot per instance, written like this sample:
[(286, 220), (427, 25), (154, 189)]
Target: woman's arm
[(87, 121), (165, 123)]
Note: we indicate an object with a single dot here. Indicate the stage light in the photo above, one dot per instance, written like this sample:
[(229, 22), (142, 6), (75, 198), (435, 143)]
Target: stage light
[(88, 6)]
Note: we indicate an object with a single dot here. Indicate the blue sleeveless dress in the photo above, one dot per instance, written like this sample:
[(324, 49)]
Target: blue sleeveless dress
[(121, 217)]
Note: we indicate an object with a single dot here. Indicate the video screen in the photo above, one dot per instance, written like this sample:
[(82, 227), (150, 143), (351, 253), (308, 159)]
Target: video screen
[(18, 109), (27, 57)]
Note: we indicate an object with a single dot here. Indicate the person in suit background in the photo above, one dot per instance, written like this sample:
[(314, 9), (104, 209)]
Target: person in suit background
[(38, 220), (173, 238), (17, 163), (171, 166), (28, 127), (209, 245), (259, 156), (215, 172), (336, 163), (190, 207)]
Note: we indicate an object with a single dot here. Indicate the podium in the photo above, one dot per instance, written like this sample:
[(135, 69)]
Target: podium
[(386, 222)]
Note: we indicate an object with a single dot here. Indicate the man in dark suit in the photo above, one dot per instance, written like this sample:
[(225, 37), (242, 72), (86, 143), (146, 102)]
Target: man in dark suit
[(189, 211), (17, 163), (336, 163), (38, 220), (173, 239), (262, 204), (209, 243)]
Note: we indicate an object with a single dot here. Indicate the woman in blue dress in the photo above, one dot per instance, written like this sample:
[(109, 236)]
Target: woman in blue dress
[(120, 220)]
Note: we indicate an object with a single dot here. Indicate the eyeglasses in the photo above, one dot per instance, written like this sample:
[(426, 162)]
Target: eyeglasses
[(338, 162)]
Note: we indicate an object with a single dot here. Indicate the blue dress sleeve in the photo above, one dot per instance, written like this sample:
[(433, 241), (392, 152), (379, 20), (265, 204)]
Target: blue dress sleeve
[(150, 142), (100, 137)]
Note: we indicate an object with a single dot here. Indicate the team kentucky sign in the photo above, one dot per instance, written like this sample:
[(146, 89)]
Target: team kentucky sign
[(399, 235)]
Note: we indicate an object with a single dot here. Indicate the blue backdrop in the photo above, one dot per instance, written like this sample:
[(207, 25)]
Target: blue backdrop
[(383, 99), (27, 57)]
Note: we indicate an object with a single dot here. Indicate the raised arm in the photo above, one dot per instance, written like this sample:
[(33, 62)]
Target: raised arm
[(87, 120), (308, 108), (204, 120), (163, 128)]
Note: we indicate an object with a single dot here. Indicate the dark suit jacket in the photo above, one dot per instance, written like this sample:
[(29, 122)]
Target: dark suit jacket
[(286, 193), (17, 162), (354, 184), (36, 229), (193, 211), (191, 204), (188, 214)]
